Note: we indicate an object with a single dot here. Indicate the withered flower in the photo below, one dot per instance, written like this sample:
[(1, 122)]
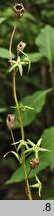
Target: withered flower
[(19, 10), (10, 121), (34, 163), (21, 46)]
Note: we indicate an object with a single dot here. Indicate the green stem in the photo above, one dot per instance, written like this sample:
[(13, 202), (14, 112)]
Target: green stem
[(22, 134), (17, 105), (20, 120)]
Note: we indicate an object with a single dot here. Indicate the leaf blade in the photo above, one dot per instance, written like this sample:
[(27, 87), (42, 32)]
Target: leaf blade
[(4, 53)]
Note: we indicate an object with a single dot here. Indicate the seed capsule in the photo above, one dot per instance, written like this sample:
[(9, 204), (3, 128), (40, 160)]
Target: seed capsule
[(34, 163), (21, 46), (19, 10), (10, 121)]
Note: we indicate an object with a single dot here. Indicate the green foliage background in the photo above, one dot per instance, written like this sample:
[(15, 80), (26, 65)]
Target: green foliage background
[(36, 29)]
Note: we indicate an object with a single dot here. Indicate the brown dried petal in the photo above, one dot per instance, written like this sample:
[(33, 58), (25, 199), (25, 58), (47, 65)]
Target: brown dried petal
[(34, 163), (21, 46), (19, 9), (10, 121)]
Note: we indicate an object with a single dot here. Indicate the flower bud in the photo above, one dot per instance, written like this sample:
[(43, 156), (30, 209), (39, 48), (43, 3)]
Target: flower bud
[(34, 163), (10, 121)]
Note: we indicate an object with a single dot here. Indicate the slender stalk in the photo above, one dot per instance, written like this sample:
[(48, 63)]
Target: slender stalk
[(22, 134), (12, 136), (28, 192), (10, 48), (17, 104)]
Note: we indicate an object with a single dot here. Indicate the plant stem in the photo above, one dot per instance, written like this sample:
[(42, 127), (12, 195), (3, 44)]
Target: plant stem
[(22, 134), (11, 43), (17, 105), (12, 135), (19, 118)]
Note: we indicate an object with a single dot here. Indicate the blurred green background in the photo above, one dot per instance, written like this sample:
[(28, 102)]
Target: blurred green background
[(38, 14)]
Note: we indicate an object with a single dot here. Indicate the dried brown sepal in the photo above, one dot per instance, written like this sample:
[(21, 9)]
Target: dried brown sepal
[(21, 46), (19, 10), (10, 121), (34, 163)]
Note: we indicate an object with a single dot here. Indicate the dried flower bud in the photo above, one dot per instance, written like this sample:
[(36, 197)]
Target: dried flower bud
[(34, 163), (21, 46), (10, 121), (19, 10)]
